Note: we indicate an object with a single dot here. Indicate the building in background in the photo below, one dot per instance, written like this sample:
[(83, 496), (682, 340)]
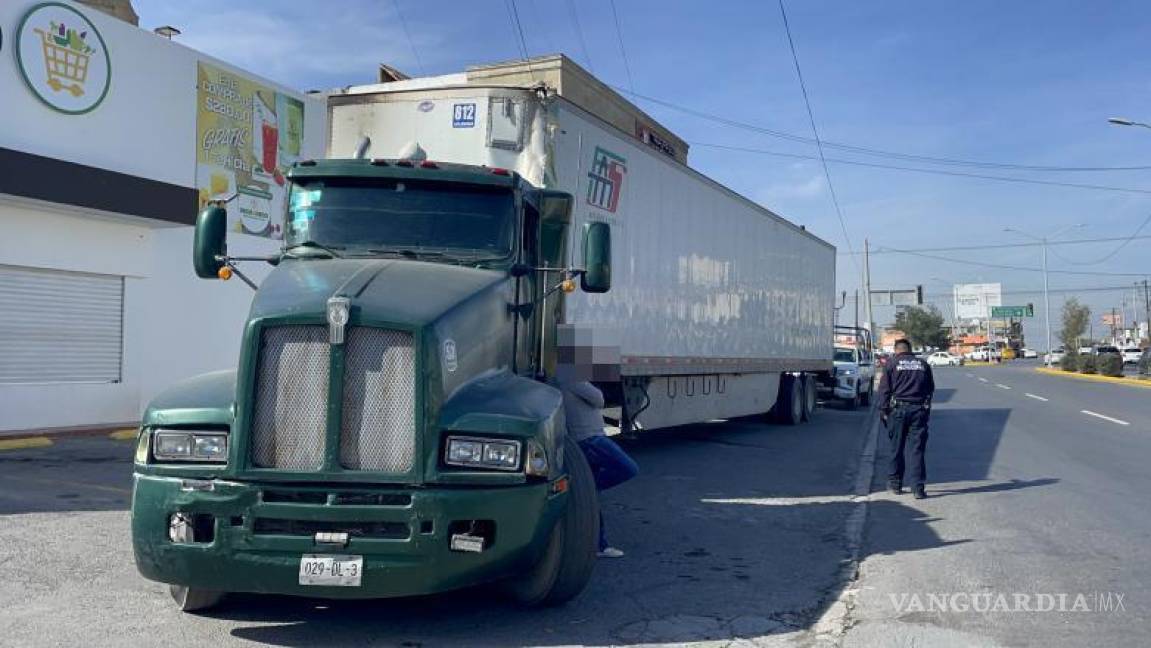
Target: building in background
[(113, 137)]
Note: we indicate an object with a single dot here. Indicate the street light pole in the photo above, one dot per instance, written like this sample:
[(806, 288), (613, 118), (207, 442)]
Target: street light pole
[(1046, 293)]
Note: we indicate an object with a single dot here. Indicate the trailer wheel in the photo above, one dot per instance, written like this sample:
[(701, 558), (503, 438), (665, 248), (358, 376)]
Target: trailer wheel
[(808, 397), (789, 404), (193, 599), (566, 565)]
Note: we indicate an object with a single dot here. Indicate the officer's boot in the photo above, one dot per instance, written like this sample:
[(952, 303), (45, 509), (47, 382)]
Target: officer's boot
[(895, 486), (919, 492)]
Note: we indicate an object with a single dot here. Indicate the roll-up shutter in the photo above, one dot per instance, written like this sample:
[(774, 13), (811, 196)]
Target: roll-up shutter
[(60, 326)]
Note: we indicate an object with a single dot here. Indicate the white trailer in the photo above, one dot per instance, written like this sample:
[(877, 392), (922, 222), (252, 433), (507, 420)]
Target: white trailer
[(720, 307)]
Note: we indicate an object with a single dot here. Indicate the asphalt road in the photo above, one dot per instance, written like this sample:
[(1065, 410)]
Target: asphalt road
[(734, 533), (1032, 492)]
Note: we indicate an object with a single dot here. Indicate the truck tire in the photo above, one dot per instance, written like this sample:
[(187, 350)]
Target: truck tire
[(566, 565), (809, 401), (193, 599), (853, 402), (789, 404)]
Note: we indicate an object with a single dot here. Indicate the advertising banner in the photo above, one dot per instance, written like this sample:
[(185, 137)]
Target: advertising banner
[(247, 136), (974, 301)]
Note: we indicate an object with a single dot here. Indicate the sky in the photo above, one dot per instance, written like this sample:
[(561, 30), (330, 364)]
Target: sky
[(1006, 83)]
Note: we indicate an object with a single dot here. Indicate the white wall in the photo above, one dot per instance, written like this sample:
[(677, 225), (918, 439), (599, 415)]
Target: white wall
[(175, 325)]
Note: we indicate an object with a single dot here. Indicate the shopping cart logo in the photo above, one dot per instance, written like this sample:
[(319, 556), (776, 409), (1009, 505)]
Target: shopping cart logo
[(63, 58), (605, 180)]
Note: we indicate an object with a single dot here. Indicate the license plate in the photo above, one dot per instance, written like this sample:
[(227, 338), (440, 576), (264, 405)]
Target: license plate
[(331, 570)]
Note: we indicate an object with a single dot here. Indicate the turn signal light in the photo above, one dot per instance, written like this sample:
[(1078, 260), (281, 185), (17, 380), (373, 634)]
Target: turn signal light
[(500, 172), (567, 285), (224, 273)]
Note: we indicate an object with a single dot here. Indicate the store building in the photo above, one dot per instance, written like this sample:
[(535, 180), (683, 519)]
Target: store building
[(112, 137)]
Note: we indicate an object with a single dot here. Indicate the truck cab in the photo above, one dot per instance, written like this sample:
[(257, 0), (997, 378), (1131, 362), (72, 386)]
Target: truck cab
[(389, 429)]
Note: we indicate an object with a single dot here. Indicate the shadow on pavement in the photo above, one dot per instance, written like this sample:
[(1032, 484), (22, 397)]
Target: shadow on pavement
[(1013, 484), (731, 531), (79, 474)]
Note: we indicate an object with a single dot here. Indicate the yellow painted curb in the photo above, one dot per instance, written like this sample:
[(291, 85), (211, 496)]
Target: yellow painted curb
[(29, 442), (1133, 382), (123, 435)]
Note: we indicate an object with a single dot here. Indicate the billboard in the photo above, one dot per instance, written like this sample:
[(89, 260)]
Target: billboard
[(974, 301), (247, 136)]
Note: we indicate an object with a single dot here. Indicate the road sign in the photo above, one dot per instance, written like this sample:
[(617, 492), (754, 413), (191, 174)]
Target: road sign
[(906, 297), (1003, 312)]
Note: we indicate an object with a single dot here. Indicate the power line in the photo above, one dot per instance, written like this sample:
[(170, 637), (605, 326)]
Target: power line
[(873, 151), (960, 174), (408, 35), (1020, 268), (818, 143), (518, 28), (996, 246), (1112, 253), (574, 13), (622, 49)]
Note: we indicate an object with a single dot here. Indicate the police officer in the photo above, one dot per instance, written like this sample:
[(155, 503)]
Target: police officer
[(904, 398)]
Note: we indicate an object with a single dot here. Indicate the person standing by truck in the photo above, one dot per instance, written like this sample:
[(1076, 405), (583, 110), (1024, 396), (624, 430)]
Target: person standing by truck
[(905, 392)]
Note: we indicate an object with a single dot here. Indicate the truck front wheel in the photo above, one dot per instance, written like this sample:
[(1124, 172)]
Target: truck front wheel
[(192, 599), (566, 565), (789, 404)]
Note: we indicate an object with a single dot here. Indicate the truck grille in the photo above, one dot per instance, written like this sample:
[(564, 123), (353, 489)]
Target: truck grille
[(378, 429), (379, 426), (291, 398)]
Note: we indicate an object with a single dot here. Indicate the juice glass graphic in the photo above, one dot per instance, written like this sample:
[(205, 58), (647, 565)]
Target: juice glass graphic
[(271, 140)]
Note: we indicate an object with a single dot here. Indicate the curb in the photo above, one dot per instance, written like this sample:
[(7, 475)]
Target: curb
[(22, 439), (1131, 382)]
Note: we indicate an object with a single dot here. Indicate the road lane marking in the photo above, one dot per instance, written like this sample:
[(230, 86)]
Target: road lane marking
[(29, 442), (1039, 398), (982, 379), (1002, 386), (1105, 418)]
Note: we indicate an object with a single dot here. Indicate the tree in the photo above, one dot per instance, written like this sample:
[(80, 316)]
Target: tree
[(923, 326), (1076, 317)]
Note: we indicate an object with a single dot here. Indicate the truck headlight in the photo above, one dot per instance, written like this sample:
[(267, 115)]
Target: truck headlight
[(472, 452), (845, 372), (179, 445)]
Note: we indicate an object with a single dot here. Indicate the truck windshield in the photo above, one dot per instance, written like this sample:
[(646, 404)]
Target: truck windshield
[(370, 216), (844, 355)]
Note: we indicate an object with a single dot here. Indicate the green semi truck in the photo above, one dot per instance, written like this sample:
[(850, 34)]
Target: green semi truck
[(387, 432)]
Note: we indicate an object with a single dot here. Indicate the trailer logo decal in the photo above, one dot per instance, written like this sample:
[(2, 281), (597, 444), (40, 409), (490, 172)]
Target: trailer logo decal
[(450, 361), (606, 176)]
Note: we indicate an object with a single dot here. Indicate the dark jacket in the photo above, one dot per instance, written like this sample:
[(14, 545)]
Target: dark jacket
[(905, 377)]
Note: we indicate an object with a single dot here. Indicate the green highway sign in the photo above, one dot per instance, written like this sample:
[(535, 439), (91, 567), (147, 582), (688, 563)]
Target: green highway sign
[(1002, 312)]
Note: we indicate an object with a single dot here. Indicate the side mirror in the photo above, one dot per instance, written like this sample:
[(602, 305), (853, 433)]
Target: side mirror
[(209, 244), (596, 258)]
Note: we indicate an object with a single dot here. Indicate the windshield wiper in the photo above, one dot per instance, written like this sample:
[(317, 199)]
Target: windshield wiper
[(320, 246), (407, 253)]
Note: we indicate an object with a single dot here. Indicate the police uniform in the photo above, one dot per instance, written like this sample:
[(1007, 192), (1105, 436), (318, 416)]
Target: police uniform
[(904, 396)]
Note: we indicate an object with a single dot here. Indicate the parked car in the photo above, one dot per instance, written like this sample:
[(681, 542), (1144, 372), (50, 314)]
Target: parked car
[(1103, 348), (1086, 350), (944, 359), (1028, 353), (1056, 356), (1131, 355), (982, 354)]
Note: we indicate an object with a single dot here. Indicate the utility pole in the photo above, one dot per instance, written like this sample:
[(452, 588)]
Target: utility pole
[(1146, 308), (1112, 325), (856, 299), (867, 287)]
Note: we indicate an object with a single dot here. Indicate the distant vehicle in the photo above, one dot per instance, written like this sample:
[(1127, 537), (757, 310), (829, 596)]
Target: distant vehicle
[(1056, 356), (1131, 355), (1086, 350), (1106, 349), (1028, 353), (853, 376), (982, 354), (944, 359)]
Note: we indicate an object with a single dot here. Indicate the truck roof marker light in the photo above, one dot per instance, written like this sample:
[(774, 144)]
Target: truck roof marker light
[(306, 163), (501, 172), (404, 163), (428, 164)]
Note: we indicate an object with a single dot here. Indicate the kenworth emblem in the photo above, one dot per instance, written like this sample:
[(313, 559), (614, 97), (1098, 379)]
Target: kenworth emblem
[(338, 308), (605, 179)]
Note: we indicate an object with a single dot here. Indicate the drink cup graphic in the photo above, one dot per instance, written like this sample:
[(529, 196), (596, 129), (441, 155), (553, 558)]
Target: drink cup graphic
[(271, 142)]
